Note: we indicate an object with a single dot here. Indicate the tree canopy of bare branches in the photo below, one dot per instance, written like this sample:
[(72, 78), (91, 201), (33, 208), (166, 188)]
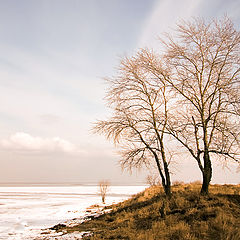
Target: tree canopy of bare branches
[(202, 66), (190, 93), (140, 116)]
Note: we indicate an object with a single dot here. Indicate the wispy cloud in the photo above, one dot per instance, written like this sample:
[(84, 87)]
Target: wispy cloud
[(166, 13), (25, 143), (163, 18)]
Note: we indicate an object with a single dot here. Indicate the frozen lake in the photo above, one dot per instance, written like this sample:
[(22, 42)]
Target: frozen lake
[(25, 210)]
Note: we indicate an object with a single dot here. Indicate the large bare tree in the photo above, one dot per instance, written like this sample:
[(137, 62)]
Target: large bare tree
[(140, 113), (201, 64)]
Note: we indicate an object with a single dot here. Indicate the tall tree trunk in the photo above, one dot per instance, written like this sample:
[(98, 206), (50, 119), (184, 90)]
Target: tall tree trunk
[(206, 173), (167, 190), (166, 183), (166, 170)]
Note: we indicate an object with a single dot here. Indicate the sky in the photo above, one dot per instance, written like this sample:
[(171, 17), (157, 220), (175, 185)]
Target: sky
[(54, 57)]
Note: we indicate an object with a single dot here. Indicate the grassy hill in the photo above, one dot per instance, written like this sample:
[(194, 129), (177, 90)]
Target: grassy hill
[(149, 215)]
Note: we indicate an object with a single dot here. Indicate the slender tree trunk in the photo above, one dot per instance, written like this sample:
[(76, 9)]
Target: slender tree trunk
[(167, 190), (166, 183), (206, 173), (166, 170)]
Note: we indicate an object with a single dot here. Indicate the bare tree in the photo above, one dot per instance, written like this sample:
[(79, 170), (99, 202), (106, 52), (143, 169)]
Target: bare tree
[(140, 113), (152, 180), (201, 66), (103, 188)]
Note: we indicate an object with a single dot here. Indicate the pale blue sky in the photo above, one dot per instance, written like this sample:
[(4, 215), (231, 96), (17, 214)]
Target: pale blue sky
[(54, 55)]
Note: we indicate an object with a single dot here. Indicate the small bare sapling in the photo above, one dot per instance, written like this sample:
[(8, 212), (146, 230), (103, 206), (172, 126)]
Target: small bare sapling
[(103, 189)]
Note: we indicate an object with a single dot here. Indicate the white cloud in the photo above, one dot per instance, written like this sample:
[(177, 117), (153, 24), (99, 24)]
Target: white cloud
[(24, 142)]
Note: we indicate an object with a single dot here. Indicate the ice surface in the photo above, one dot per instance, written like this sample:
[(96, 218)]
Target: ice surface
[(24, 211)]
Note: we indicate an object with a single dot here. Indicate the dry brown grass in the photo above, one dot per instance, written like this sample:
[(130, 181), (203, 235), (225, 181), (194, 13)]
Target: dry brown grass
[(149, 215)]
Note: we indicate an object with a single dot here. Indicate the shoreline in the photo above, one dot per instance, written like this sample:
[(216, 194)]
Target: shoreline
[(33, 211), (121, 218), (150, 215), (55, 232)]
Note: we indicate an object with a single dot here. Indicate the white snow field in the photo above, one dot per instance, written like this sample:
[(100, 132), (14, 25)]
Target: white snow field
[(26, 211)]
